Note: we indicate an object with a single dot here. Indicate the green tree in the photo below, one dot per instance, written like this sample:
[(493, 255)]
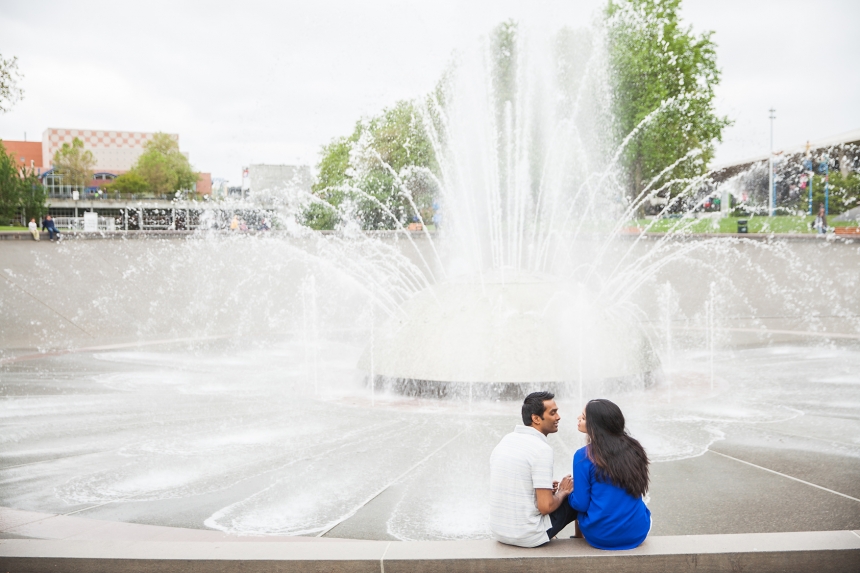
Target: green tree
[(844, 193), (74, 163), (660, 67), (131, 183), (33, 195), (19, 188), (164, 168), (10, 187), (503, 47), (374, 173), (10, 92), (330, 185)]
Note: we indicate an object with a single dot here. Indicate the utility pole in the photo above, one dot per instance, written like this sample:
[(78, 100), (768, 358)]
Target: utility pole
[(810, 172), (771, 191), (826, 184)]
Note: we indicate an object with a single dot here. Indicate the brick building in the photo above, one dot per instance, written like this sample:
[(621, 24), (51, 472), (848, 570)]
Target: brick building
[(27, 153), (115, 153)]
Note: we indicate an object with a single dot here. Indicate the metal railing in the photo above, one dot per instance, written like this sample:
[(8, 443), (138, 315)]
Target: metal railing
[(109, 196), (77, 223)]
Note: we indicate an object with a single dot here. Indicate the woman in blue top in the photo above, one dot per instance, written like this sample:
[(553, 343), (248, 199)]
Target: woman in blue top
[(610, 476)]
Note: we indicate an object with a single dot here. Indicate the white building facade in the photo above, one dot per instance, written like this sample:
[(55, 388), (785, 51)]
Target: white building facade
[(113, 150), (276, 180)]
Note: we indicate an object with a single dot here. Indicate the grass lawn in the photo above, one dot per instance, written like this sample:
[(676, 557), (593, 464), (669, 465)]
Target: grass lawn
[(782, 224), (8, 228)]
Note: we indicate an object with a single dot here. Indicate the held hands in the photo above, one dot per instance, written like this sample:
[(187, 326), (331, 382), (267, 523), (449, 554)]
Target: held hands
[(565, 486), (548, 501)]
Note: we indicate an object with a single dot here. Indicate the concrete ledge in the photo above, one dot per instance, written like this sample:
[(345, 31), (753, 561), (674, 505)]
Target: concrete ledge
[(820, 551), (749, 236), (21, 235), (168, 234), (78, 235)]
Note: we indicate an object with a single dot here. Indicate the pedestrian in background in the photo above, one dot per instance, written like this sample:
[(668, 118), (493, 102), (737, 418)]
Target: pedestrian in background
[(820, 221)]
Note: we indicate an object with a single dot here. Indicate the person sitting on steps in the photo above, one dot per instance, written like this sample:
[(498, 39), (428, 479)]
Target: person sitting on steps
[(48, 225), (34, 229), (528, 508), (610, 478)]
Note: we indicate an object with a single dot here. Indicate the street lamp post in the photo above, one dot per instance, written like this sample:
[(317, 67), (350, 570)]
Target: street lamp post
[(771, 189), (825, 168), (810, 172)]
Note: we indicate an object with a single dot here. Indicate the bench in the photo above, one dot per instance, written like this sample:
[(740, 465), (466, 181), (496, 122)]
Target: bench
[(849, 231)]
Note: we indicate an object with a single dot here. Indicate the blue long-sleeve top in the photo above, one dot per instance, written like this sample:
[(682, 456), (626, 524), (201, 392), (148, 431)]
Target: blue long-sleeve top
[(48, 225), (609, 517)]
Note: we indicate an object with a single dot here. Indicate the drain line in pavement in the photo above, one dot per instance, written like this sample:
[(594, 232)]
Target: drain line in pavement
[(786, 476), (389, 484)]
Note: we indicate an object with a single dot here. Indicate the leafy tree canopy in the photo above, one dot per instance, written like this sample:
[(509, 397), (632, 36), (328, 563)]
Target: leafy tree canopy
[(129, 183), (74, 163), (10, 92), (9, 185), (20, 188), (503, 40), (381, 174), (662, 84), (660, 67), (844, 193), (163, 167)]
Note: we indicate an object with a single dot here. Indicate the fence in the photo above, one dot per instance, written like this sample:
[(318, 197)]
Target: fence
[(137, 219), (66, 192), (77, 223)]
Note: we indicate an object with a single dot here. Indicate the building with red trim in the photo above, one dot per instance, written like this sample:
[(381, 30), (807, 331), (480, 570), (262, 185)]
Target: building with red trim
[(115, 153)]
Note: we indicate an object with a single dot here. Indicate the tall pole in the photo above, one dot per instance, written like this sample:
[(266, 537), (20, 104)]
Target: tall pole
[(770, 190), (826, 185), (810, 172)]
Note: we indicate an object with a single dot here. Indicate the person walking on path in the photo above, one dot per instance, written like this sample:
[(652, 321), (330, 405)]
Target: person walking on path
[(34, 229), (610, 478), (48, 225), (528, 508)]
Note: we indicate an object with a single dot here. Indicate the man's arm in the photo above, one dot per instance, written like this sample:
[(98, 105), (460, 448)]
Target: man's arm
[(548, 501)]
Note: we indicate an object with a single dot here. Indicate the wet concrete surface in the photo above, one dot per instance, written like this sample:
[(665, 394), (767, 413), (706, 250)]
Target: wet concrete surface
[(262, 431), (115, 438)]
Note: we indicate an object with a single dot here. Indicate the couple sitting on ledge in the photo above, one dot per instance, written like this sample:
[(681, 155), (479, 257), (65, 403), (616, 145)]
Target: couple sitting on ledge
[(603, 496)]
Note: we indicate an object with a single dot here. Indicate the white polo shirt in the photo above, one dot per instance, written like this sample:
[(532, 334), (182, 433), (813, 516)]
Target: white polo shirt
[(521, 463)]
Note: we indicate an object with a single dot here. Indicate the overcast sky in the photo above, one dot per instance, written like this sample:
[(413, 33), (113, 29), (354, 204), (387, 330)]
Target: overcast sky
[(248, 82)]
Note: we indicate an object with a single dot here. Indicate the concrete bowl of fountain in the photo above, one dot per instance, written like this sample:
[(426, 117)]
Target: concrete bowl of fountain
[(503, 333)]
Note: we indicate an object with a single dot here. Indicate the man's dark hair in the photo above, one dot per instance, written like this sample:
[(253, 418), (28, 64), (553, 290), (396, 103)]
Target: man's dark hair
[(533, 405)]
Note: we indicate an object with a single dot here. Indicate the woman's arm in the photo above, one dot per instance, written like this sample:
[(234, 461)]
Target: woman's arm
[(580, 498)]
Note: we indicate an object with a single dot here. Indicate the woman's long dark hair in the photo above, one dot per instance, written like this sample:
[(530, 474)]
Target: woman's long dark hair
[(620, 459)]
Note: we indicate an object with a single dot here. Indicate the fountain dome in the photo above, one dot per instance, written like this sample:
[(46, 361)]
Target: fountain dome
[(502, 333)]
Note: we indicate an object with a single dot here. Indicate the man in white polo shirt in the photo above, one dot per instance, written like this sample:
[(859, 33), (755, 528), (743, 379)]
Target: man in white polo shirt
[(528, 508)]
